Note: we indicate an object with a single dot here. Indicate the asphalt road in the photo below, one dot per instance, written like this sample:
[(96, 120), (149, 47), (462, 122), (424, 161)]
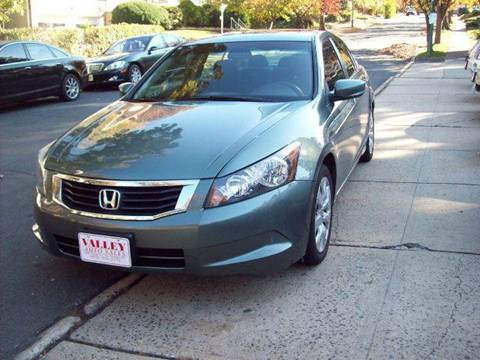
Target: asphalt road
[(37, 288)]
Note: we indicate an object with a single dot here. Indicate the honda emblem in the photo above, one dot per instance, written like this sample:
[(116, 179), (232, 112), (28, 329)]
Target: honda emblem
[(109, 199)]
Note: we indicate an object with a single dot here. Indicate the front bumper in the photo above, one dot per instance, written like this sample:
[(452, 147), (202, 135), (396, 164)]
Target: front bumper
[(263, 234), (108, 77)]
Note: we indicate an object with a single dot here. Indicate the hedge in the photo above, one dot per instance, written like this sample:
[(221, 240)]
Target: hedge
[(87, 42), (137, 12), (68, 39), (390, 8)]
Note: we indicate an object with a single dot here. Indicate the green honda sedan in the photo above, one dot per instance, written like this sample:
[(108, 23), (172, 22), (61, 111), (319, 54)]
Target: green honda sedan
[(225, 157)]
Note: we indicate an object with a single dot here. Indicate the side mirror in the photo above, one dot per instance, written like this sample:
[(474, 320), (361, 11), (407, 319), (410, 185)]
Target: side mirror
[(125, 88), (152, 49), (348, 89)]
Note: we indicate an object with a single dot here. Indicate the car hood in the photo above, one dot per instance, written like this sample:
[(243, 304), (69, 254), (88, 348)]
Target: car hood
[(162, 141), (108, 58)]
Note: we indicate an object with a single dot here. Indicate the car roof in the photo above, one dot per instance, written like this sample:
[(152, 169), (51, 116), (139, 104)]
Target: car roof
[(296, 35)]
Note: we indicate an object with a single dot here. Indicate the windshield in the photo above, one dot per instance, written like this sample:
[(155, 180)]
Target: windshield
[(248, 71), (129, 45)]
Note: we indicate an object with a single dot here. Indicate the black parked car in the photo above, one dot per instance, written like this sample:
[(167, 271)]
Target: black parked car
[(30, 69), (128, 59)]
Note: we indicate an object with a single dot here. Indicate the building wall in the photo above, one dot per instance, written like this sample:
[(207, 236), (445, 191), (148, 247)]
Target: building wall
[(71, 13)]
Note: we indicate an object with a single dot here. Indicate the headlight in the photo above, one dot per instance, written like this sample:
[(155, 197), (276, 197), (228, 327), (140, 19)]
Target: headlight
[(41, 172), (116, 65), (276, 170)]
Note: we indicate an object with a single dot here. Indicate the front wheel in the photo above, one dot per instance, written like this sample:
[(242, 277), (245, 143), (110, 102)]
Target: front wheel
[(70, 88), (321, 219), (370, 145), (134, 73)]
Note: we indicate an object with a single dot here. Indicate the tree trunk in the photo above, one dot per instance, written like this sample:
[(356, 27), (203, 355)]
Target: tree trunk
[(439, 24), (322, 21)]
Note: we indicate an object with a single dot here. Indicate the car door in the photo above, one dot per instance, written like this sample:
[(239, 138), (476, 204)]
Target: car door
[(14, 71), (338, 126), (46, 69), (156, 49), (358, 119)]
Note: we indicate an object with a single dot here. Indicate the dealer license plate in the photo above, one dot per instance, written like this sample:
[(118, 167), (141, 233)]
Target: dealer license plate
[(103, 249)]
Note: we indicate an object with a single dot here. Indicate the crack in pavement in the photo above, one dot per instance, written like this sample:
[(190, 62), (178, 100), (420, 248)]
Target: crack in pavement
[(131, 352), (406, 246), (451, 318)]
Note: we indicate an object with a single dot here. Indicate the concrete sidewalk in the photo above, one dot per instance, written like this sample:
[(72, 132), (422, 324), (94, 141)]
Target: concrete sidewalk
[(401, 281)]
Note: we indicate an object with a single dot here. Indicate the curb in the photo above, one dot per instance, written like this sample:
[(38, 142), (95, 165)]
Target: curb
[(49, 338), (59, 330), (100, 301), (387, 82)]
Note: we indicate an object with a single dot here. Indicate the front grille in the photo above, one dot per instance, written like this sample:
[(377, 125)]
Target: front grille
[(68, 246), (166, 258), (145, 257), (134, 201), (94, 68)]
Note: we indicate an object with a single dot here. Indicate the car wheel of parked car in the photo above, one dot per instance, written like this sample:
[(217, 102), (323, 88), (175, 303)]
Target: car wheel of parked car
[(321, 219), (134, 73), (70, 87), (368, 154)]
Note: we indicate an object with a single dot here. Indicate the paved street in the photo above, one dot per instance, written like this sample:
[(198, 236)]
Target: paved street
[(38, 289)]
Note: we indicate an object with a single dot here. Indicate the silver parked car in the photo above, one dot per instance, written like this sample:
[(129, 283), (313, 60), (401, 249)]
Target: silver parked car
[(225, 157)]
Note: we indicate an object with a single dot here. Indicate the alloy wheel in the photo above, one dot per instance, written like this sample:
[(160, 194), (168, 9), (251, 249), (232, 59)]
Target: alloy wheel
[(72, 87), (323, 214), (135, 74)]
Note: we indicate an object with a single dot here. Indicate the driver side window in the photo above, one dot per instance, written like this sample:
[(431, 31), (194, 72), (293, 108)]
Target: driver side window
[(331, 64)]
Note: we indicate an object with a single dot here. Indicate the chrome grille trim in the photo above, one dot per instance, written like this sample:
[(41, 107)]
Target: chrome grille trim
[(94, 68), (184, 199)]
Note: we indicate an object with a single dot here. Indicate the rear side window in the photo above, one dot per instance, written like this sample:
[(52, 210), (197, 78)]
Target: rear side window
[(58, 53), (157, 42), (346, 56), (39, 52), (333, 68), (12, 54)]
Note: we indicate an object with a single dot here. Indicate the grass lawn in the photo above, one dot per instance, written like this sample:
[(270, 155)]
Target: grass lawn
[(438, 53), (439, 50)]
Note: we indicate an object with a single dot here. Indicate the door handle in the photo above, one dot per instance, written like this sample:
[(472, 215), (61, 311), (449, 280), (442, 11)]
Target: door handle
[(28, 68)]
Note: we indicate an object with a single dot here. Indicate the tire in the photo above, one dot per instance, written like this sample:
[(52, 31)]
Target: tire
[(320, 218), (71, 88), (370, 145), (134, 73), (477, 87)]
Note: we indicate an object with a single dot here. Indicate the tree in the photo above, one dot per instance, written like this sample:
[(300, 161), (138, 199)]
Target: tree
[(441, 9), (424, 6), (9, 8), (267, 11)]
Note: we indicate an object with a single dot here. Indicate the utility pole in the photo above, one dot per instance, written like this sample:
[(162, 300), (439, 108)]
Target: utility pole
[(222, 10), (432, 17), (352, 15)]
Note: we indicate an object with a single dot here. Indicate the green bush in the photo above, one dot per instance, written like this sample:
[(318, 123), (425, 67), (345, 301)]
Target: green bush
[(192, 14), (137, 12), (176, 16), (67, 39), (390, 9)]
